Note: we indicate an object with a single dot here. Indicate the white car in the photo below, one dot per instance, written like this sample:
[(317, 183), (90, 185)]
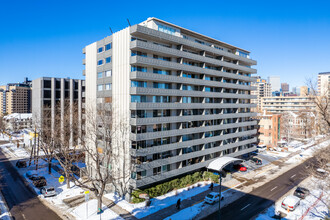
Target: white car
[(290, 202), (48, 191), (212, 198)]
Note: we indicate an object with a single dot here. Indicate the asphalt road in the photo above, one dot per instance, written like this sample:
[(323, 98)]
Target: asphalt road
[(262, 197), (23, 203)]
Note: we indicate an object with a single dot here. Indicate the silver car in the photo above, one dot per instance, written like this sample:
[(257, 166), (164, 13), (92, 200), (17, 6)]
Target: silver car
[(47, 191)]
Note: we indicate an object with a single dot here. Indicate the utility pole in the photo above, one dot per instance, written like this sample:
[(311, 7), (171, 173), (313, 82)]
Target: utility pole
[(33, 146)]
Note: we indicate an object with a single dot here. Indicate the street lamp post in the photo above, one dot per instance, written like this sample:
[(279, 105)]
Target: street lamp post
[(220, 180)]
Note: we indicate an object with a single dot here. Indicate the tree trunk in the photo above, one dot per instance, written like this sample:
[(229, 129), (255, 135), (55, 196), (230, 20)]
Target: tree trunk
[(49, 165), (67, 180), (99, 202)]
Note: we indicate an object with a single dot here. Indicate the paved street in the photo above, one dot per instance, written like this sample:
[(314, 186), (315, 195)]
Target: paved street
[(259, 199), (23, 203)]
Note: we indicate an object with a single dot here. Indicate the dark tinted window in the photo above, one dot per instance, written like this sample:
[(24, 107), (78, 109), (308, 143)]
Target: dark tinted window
[(47, 84)]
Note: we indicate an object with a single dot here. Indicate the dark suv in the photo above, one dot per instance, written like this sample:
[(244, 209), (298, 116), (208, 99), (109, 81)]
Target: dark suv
[(256, 161), (301, 192), (39, 181), (21, 164)]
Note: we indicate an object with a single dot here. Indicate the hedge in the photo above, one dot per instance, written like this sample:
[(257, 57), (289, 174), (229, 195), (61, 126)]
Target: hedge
[(166, 187)]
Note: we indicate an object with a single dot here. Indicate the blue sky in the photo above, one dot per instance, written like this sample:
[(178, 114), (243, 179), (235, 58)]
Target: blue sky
[(45, 38)]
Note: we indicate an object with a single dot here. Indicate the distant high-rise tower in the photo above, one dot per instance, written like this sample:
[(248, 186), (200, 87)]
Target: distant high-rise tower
[(285, 87), (275, 83), (263, 90), (15, 98)]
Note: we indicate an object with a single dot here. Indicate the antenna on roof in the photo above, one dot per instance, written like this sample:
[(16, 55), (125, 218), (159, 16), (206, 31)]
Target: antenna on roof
[(110, 30), (128, 22)]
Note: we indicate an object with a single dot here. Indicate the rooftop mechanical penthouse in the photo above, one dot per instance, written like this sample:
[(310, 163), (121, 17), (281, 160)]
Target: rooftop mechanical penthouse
[(186, 97)]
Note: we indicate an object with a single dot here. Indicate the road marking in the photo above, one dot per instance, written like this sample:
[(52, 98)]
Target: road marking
[(273, 188), (245, 207), (293, 175), (23, 216)]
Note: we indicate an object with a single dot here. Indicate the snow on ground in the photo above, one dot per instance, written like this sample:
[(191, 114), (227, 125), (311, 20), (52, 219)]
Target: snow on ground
[(187, 213), (4, 214), (88, 211), (61, 189), (318, 212), (139, 210)]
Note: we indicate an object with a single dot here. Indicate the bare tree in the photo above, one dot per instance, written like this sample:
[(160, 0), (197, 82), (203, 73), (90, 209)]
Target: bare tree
[(2, 125), (65, 138), (322, 104), (102, 156), (286, 128), (319, 169), (306, 125)]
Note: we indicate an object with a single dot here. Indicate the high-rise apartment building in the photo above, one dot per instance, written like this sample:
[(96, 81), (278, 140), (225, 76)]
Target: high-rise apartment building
[(281, 104), (263, 89), (15, 98), (275, 82), (323, 83), (51, 96), (186, 98)]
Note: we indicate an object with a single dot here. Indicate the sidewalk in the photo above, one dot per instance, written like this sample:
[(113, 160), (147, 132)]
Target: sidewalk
[(117, 209)]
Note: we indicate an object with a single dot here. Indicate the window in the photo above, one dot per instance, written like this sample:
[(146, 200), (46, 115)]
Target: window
[(161, 99), (108, 60), (138, 84), (108, 46), (108, 86), (100, 62), (108, 73), (161, 85), (138, 53), (99, 87), (99, 75), (138, 98), (100, 50), (138, 68), (166, 29), (163, 72), (243, 54)]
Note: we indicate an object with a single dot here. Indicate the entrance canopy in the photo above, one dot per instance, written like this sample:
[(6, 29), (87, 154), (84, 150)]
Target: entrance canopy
[(218, 164)]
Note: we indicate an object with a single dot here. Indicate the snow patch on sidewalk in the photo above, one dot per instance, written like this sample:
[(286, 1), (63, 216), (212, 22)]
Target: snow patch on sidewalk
[(84, 211), (139, 210)]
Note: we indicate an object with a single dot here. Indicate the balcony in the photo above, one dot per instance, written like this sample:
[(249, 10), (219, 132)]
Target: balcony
[(144, 32), (150, 47)]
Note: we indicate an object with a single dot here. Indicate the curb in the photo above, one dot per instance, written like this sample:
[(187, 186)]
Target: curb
[(6, 206)]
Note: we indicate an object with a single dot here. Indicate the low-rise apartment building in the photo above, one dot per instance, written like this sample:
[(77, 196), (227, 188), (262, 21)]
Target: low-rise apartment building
[(186, 98), (18, 121), (269, 125), (281, 104)]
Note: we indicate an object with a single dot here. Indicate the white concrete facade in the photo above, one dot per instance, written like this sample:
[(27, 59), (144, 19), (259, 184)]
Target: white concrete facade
[(183, 98)]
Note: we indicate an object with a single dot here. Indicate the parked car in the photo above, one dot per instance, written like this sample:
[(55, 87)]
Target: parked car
[(31, 175), (240, 167), (256, 161), (21, 164), (290, 202), (39, 181), (301, 192), (48, 191), (212, 198)]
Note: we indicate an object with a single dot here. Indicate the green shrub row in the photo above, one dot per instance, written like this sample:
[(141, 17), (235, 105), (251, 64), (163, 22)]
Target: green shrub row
[(166, 187)]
